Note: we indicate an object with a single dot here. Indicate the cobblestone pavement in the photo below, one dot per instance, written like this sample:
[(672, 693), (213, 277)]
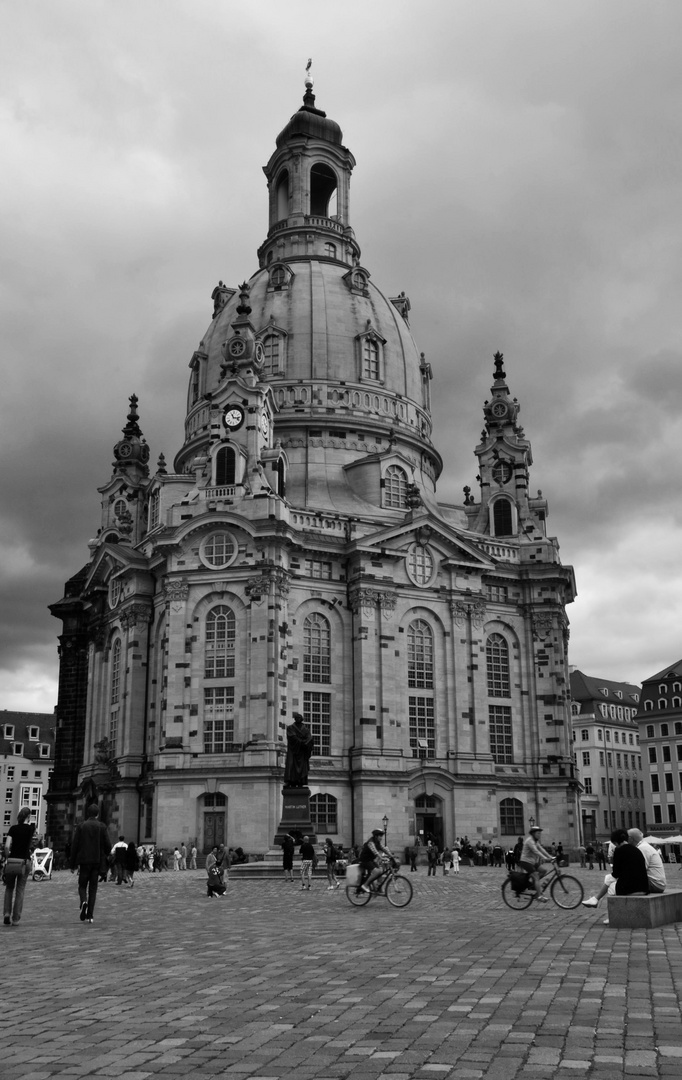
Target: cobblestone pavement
[(273, 982)]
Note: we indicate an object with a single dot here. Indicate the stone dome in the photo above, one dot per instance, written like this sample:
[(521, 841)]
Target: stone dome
[(323, 319)]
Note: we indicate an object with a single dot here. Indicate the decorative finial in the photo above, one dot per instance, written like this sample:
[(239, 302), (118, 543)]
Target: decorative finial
[(308, 76), (308, 97), (499, 369), (161, 465), (132, 427), (244, 306)]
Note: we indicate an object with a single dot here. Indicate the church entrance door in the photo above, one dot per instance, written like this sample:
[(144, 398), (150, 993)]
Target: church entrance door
[(214, 829), (430, 827)]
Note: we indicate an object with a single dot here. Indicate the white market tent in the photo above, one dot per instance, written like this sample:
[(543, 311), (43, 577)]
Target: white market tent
[(663, 840)]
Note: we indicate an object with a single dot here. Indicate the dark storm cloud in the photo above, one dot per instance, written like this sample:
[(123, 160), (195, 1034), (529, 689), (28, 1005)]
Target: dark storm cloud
[(518, 176)]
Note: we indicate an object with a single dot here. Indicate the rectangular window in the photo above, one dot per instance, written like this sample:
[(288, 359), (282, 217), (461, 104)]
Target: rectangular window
[(603, 785), (497, 593), (618, 764), (613, 819), (641, 787), (316, 568), (627, 789), (500, 728), (31, 795), (668, 781), (609, 758), (633, 759), (317, 712), (9, 795), (615, 737), (9, 731), (588, 785), (34, 734), (600, 735), (679, 751), (652, 755), (622, 819), (44, 750), (620, 787), (218, 719), (113, 731), (586, 757), (323, 814), (422, 727), (7, 820), (611, 786), (606, 819), (584, 734), (601, 757), (655, 783), (629, 819), (672, 813), (658, 817), (608, 735), (10, 772), (637, 819), (18, 749), (666, 753)]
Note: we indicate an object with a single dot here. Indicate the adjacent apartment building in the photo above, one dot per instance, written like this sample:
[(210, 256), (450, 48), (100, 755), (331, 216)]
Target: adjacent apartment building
[(26, 760), (607, 755), (660, 732)]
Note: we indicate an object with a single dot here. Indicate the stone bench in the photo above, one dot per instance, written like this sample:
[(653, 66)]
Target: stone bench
[(635, 912)]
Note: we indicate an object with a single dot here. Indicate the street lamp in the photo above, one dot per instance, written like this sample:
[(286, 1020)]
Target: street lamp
[(384, 822), (532, 821)]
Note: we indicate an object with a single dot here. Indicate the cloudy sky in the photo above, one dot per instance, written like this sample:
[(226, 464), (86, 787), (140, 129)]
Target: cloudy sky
[(519, 172)]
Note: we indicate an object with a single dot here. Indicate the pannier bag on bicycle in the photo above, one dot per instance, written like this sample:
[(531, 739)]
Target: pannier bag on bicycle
[(519, 880)]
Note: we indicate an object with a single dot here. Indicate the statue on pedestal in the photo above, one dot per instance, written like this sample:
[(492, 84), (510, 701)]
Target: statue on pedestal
[(299, 750)]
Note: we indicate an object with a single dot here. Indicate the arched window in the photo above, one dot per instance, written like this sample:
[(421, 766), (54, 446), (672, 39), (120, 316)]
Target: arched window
[(225, 466), (497, 664), (119, 507), (323, 813), (322, 189), (648, 706), (220, 639), (502, 517), (395, 487), (677, 703), (316, 649), (511, 817), (420, 655), (662, 703), (330, 250), (273, 354), (283, 196), (371, 366)]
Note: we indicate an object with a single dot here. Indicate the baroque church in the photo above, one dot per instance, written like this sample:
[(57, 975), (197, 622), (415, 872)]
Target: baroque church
[(296, 558)]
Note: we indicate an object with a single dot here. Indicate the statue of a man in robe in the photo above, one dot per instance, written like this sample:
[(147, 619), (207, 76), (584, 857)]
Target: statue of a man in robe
[(299, 749)]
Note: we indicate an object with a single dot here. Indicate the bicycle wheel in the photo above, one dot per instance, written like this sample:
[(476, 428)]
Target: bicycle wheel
[(357, 899), (567, 891), (399, 891), (519, 901)]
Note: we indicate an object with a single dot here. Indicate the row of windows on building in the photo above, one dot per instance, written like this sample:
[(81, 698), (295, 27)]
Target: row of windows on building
[(665, 752), (627, 738), (219, 701), (608, 759), (663, 730), (625, 791)]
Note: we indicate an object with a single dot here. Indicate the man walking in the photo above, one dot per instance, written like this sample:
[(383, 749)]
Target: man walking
[(90, 847)]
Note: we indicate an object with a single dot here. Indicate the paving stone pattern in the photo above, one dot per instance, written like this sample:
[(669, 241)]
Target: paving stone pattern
[(274, 982)]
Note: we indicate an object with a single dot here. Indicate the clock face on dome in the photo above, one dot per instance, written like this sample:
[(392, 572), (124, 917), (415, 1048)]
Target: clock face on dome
[(237, 347), (264, 425), (233, 417), (125, 450), (502, 472), (499, 409)]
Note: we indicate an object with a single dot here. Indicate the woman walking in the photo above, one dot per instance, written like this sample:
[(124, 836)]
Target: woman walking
[(18, 849), (307, 853), (132, 862), (331, 856)]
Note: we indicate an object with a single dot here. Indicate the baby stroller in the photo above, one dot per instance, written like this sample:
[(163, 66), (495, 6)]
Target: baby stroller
[(41, 864)]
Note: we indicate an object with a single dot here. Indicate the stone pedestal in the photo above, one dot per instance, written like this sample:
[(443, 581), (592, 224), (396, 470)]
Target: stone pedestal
[(295, 815)]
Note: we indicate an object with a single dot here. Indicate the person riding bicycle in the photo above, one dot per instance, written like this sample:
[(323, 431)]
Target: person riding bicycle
[(532, 858), (371, 859)]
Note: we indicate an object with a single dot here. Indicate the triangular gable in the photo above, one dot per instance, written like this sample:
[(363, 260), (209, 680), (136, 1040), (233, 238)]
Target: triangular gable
[(397, 537), (672, 671), (111, 559)]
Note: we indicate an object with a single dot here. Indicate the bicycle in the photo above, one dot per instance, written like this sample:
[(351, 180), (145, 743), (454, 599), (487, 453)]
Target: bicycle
[(396, 888), (565, 890)]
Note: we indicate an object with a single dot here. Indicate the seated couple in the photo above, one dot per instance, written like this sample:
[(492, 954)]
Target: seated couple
[(637, 868)]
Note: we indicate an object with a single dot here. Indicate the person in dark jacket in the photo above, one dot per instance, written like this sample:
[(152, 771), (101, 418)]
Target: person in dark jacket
[(18, 847), (91, 845), (132, 862)]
